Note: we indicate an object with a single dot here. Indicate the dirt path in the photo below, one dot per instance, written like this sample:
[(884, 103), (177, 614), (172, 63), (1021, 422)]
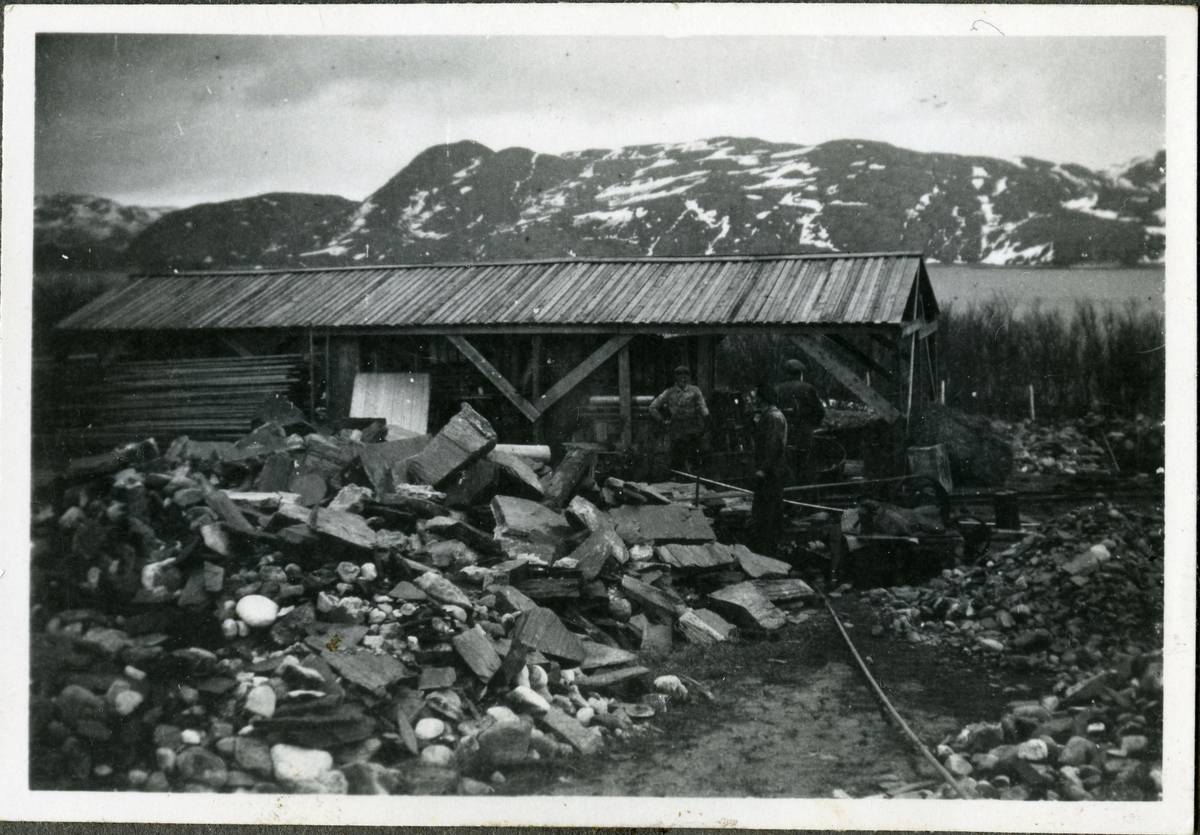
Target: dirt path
[(792, 717)]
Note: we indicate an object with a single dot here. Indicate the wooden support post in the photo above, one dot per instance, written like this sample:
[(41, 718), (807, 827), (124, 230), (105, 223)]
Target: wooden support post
[(495, 377), (535, 367), (820, 350), (345, 367), (625, 387), (912, 364), (312, 376), (704, 365), (1032, 413)]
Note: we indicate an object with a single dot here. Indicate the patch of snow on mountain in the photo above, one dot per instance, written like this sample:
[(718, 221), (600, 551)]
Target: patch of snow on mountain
[(858, 163), (696, 147), (724, 152), (1001, 186), (847, 203), (977, 171), (790, 199), (466, 172), (617, 217), (833, 189), (1161, 216), (1087, 205), (709, 219), (414, 215), (761, 215), (978, 182), (1017, 161), (1067, 175), (1009, 254), (466, 189), (588, 172), (795, 152), (876, 166), (658, 163), (639, 191)]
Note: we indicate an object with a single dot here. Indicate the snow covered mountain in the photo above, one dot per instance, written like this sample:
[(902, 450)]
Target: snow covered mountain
[(465, 202)]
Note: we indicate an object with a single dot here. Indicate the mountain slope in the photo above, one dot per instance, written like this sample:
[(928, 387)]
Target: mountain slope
[(83, 231), (268, 230)]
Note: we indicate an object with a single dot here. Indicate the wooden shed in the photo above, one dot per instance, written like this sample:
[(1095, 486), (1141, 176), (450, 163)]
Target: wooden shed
[(548, 350)]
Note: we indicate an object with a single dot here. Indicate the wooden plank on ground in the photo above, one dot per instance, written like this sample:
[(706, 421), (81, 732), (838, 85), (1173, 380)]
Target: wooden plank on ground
[(464, 439), (746, 605), (581, 372), (495, 377), (611, 678)]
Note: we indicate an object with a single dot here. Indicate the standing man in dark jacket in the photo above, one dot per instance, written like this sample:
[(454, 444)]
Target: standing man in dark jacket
[(770, 445), (802, 407), (683, 410)]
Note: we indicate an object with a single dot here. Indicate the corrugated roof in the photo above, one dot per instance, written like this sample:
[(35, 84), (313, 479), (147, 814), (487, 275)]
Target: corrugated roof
[(870, 288)]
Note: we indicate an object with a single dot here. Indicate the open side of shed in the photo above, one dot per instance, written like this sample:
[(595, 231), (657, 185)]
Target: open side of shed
[(549, 350)]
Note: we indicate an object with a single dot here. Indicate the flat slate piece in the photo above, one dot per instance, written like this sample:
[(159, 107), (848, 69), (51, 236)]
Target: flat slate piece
[(464, 439), (366, 669), (702, 626), (477, 651), (747, 604), (527, 519), (651, 598), (514, 469), (602, 655), (569, 728), (611, 678), (386, 463), (658, 524), (405, 590), (510, 599), (593, 553), (437, 678), (756, 565), (541, 629), (708, 555), (785, 589), (348, 527)]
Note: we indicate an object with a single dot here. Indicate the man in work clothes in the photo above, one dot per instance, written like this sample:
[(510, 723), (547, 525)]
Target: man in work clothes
[(802, 407), (683, 410), (770, 446)]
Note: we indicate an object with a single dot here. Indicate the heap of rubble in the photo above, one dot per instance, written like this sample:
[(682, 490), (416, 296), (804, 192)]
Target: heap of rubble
[(1087, 446), (1082, 599), (340, 612)]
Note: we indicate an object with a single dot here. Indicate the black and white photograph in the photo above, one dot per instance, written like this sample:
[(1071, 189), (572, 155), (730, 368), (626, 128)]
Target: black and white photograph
[(666, 415)]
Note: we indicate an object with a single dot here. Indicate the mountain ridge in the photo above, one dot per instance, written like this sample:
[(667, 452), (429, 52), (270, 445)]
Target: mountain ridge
[(722, 196)]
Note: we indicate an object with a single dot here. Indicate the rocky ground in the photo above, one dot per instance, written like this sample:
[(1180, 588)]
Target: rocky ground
[(310, 611)]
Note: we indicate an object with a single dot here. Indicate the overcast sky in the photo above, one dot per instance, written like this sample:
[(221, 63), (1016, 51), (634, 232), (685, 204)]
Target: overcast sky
[(175, 120)]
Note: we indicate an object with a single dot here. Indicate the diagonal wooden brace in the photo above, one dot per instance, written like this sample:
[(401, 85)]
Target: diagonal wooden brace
[(497, 379), (580, 372), (813, 344)]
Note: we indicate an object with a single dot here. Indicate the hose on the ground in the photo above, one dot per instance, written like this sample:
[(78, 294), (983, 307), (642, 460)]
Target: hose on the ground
[(916, 740)]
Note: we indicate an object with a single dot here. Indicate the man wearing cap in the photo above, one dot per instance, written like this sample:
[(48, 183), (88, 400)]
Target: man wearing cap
[(683, 410), (802, 407)]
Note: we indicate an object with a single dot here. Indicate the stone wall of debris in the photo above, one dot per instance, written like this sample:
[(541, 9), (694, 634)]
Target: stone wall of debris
[(315, 612), (1081, 598)]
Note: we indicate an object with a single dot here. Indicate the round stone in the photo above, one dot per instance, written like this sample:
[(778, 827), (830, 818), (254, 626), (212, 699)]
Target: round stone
[(127, 701), (1033, 750), (368, 572), (348, 572), (299, 765), (429, 729), (437, 755), (261, 701), (257, 611)]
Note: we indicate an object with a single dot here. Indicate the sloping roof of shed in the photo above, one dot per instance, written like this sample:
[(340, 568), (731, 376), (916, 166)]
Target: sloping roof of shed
[(872, 288)]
